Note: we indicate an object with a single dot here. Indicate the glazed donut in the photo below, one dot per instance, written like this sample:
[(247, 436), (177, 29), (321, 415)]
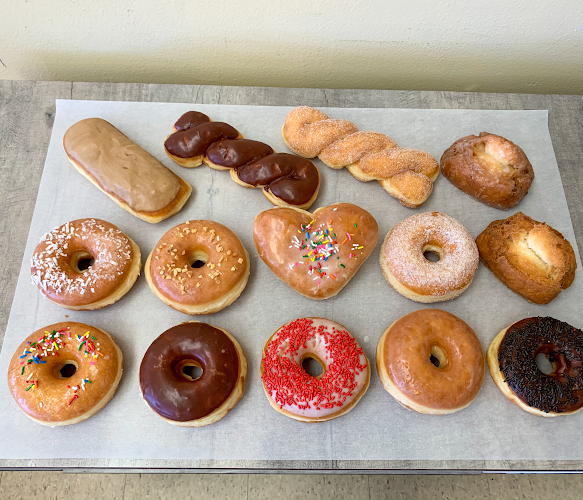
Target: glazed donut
[(169, 385), (133, 178), (85, 264), (315, 254), (286, 180), (409, 272), (490, 168), (65, 373), (512, 362), (406, 174), (198, 267), (298, 395), (529, 257), (431, 362)]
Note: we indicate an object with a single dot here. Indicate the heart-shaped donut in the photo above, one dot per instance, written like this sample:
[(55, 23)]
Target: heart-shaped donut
[(316, 254)]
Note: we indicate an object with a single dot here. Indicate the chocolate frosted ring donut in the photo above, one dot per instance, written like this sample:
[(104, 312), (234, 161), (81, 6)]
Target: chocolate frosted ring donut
[(168, 378), (513, 366)]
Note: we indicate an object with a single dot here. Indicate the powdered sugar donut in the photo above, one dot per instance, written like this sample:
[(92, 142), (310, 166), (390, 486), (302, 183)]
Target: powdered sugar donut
[(407, 269), (301, 396)]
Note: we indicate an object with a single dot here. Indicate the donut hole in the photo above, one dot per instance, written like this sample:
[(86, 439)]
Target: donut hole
[(189, 369), (66, 369), (437, 357), (81, 261), (432, 253), (198, 259), (313, 366), (545, 363)]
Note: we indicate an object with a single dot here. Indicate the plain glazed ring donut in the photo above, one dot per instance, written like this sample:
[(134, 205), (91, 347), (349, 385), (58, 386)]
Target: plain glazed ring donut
[(168, 379), (85, 264), (513, 366), (198, 267), (409, 272), (490, 168), (431, 362), (65, 373), (301, 396)]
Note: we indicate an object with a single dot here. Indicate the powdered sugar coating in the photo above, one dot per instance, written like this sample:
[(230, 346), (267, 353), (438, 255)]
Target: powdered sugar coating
[(52, 271), (402, 254)]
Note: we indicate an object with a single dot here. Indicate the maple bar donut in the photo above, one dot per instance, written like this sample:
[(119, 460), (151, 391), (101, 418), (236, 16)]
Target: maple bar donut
[(431, 362), (315, 254), (285, 179), (489, 168), (198, 267), (133, 178), (85, 264), (65, 373), (512, 359), (406, 174), (301, 396), (168, 374), (414, 276), (529, 257)]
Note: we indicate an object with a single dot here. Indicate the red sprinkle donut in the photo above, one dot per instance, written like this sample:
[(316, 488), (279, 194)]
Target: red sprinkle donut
[(301, 396)]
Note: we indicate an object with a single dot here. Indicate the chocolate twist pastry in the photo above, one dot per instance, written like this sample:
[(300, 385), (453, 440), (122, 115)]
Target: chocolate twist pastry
[(287, 180)]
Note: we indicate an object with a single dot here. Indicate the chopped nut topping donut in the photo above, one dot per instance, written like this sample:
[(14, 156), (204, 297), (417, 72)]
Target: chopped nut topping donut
[(198, 267)]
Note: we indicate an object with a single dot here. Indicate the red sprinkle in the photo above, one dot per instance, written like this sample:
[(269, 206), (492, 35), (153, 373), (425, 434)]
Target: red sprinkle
[(291, 385)]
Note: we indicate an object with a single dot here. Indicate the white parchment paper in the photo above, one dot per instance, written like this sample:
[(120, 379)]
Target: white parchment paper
[(378, 428)]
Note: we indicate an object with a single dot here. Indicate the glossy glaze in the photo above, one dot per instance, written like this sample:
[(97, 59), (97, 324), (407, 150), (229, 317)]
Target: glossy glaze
[(173, 396)]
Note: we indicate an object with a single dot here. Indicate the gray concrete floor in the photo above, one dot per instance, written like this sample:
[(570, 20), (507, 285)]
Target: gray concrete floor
[(56, 485)]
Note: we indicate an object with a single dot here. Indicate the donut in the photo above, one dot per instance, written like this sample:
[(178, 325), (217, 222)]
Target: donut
[(407, 269), (133, 178), (406, 174), (431, 362), (169, 384), (65, 373), (489, 168), (198, 267), (301, 396), (85, 264), (529, 257), (513, 366), (285, 179), (315, 254)]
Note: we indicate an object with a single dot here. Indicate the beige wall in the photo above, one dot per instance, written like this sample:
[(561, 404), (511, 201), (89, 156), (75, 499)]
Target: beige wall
[(486, 45)]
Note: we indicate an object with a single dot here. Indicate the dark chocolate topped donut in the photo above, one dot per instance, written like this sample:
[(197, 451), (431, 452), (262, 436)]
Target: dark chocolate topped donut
[(558, 392), (165, 387)]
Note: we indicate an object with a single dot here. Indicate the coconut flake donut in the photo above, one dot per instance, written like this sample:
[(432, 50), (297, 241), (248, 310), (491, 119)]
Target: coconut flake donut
[(513, 366), (85, 264), (65, 373), (409, 272), (431, 362), (198, 267), (301, 396), (168, 381)]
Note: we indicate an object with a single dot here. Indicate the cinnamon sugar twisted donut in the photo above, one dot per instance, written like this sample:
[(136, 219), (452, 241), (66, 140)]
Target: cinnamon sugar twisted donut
[(406, 174), (287, 180)]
